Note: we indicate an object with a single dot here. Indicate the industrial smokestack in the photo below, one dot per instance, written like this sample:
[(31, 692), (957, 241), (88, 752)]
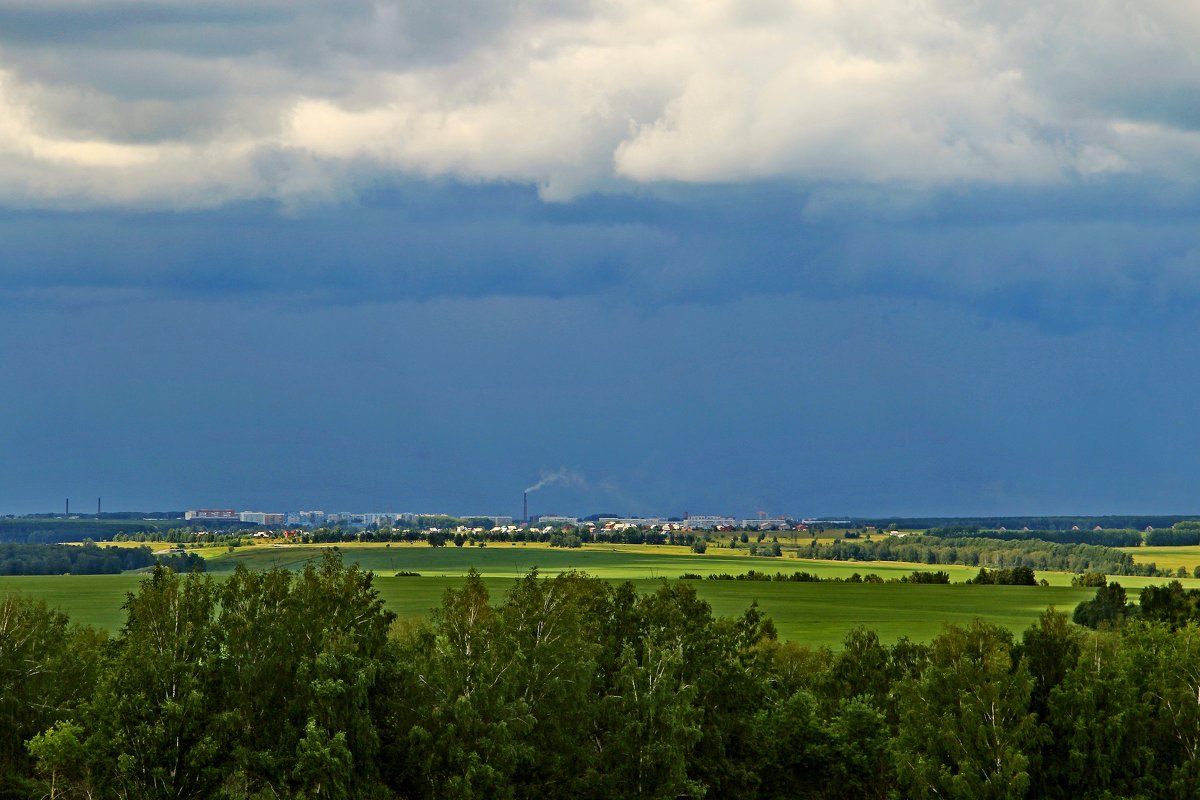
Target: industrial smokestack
[(68, 508), (525, 506), (97, 508)]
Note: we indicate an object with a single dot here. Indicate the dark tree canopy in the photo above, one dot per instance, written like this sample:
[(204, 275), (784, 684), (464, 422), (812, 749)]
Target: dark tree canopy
[(280, 684)]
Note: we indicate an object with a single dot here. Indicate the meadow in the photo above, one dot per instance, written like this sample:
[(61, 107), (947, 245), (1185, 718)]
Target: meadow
[(1166, 557), (816, 613)]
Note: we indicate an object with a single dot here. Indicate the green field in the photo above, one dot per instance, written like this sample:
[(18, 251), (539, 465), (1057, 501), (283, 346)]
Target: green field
[(623, 562), (817, 613), (1166, 557)]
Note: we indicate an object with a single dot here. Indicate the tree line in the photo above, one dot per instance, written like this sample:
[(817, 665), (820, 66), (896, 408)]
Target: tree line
[(1170, 605), (86, 559), (1032, 553), (279, 684), (800, 576), (36, 530), (1114, 521), (1106, 537)]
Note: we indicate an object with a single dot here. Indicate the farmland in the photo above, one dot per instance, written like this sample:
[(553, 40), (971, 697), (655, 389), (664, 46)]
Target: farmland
[(816, 613), (1166, 557)]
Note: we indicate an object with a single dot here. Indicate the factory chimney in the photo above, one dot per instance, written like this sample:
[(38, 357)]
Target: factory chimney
[(525, 507)]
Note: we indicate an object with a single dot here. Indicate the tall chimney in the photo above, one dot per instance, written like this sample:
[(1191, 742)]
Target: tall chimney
[(97, 508), (525, 506), (68, 508)]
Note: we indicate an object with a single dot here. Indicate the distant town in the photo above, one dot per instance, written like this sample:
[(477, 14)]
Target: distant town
[(317, 519)]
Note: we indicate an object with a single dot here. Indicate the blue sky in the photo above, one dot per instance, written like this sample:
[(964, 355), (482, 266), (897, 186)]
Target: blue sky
[(802, 257)]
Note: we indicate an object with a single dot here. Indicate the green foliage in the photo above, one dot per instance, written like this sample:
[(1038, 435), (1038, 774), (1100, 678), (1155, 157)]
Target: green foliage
[(1035, 554), (940, 576), (1107, 609), (565, 539), (1182, 534), (965, 726), (1170, 604), (264, 683), (1015, 576), (1106, 537), (279, 684), (1090, 580), (45, 530), (86, 559), (47, 668)]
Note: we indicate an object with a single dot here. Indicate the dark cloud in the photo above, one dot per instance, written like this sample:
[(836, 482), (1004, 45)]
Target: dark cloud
[(1062, 260), (785, 404)]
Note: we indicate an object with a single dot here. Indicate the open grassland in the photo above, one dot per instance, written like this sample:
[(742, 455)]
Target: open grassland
[(815, 613)]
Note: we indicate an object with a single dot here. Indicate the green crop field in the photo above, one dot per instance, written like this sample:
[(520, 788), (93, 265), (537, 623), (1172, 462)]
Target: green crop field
[(1166, 557), (624, 562), (816, 613), (88, 599)]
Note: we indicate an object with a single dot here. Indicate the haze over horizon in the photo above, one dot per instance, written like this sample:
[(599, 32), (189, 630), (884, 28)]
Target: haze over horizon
[(860, 258)]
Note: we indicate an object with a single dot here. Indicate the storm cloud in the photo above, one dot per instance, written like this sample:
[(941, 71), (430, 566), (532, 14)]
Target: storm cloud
[(811, 256)]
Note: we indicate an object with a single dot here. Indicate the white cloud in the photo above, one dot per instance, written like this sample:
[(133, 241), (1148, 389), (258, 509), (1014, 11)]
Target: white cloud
[(167, 104)]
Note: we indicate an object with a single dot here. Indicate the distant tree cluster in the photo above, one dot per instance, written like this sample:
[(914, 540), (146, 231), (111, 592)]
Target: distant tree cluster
[(1101, 538), (1170, 605), (1014, 576), (86, 559), (994, 553), (799, 576), (43, 530), (1127, 522), (275, 684), (1182, 534)]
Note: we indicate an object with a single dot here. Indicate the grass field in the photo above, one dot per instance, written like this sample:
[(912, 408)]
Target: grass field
[(816, 613), (625, 562), (1166, 557)]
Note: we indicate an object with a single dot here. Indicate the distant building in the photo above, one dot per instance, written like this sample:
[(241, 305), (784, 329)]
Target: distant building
[(708, 522), (552, 519), (262, 518), (381, 519), (765, 524), (498, 520), (637, 522), (227, 514), (313, 518)]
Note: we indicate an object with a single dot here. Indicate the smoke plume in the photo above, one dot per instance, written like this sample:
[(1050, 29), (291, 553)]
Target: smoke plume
[(560, 477)]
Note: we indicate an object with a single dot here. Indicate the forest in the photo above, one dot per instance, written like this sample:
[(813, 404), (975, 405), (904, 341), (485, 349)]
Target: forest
[(281, 684), (86, 559), (1102, 538), (44, 530), (1032, 553)]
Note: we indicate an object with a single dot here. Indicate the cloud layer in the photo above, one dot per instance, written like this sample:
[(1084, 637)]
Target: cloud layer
[(168, 103)]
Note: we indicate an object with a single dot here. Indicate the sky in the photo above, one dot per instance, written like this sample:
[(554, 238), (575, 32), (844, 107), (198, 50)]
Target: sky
[(806, 257)]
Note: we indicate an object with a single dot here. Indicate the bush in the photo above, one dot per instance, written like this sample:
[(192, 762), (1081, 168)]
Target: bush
[(1017, 576), (941, 576), (1090, 580)]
